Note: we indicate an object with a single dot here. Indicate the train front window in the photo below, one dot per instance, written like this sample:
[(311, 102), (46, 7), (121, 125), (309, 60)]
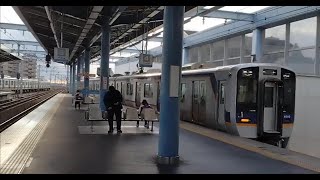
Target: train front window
[(247, 90), (247, 86)]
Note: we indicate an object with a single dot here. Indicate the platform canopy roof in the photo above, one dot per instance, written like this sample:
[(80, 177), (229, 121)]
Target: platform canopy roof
[(79, 27), (6, 56)]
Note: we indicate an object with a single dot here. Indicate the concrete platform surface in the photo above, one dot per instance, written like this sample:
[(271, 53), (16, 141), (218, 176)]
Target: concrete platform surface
[(69, 146)]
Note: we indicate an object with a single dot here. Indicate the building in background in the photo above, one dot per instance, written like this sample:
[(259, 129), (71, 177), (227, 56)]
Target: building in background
[(28, 67)]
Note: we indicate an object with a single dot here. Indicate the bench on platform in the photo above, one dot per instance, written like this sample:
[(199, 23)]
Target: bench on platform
[(129, 114)]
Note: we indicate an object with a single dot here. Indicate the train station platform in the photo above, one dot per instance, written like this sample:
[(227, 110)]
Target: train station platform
[(56, 139)]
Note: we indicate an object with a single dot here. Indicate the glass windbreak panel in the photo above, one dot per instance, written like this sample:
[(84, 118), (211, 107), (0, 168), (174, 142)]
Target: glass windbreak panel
[(302, 61), (204, 52), (248, 44), (303, 33), (218, 50), (268, 97), (217, 63), (193, 54), (233, 61), (274, 39), (276, 58), (246, 60), (233, 45)]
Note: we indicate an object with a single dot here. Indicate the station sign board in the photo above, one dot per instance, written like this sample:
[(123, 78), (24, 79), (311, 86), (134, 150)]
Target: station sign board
[(145, 60), (61, 55)]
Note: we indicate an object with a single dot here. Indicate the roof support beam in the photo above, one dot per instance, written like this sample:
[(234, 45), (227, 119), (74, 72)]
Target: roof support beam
[(51, 25), (27, 51), (266, 18), (131, 50), (5, 41), (140, 23), (191, 13), (13, 26), (155, 39), (231, 15), (90, 21), (113, 19), (49, 37), (17, 10)]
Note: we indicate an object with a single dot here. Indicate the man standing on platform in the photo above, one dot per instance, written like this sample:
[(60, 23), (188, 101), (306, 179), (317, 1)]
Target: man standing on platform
[(113, 102)]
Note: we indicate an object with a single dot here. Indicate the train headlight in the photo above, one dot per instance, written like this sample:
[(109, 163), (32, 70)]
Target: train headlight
[(245, 120)]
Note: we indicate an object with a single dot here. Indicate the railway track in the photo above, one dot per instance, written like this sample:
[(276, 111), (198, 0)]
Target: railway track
[(11, 112)]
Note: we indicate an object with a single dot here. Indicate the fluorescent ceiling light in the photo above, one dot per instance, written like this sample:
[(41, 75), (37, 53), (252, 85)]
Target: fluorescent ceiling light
[(208, 7)]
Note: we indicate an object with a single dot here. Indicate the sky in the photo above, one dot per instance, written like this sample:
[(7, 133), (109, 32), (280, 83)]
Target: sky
[(8, 15)]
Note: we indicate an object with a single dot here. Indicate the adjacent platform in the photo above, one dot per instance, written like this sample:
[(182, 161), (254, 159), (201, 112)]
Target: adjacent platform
[(59, 140)]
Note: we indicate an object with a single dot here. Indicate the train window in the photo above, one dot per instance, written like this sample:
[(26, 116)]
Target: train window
[(11, 83), (247, 86), (222, 93), (148, 90), (268, 97), (129, 89), (202, 89), (247, 91), (183, 91), (6, 83), (195, 89)]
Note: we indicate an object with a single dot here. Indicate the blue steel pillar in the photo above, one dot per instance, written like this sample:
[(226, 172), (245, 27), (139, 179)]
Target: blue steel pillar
[(73, 78), (257, 52), (70, 79), (82, 64), (86, 69), (78, 73), (170, 85), (104, 62)]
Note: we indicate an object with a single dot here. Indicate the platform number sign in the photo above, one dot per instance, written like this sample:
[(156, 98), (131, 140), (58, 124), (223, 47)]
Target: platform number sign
[(61, 55), (145, 60), (105, 82)]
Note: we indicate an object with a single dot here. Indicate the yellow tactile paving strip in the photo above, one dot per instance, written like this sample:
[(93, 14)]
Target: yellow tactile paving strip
[(291, 157)]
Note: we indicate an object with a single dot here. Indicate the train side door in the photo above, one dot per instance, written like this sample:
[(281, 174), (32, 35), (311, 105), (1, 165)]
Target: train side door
[(202, 102), (221, 105), (138, 94), (270, 100), (198, 101), (195, 101)]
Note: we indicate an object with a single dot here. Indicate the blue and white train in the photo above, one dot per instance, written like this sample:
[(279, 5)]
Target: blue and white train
[(251, 100)]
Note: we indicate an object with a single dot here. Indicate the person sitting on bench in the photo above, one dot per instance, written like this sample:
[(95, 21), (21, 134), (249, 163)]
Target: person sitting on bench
[(144, 104), (78, 99)]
